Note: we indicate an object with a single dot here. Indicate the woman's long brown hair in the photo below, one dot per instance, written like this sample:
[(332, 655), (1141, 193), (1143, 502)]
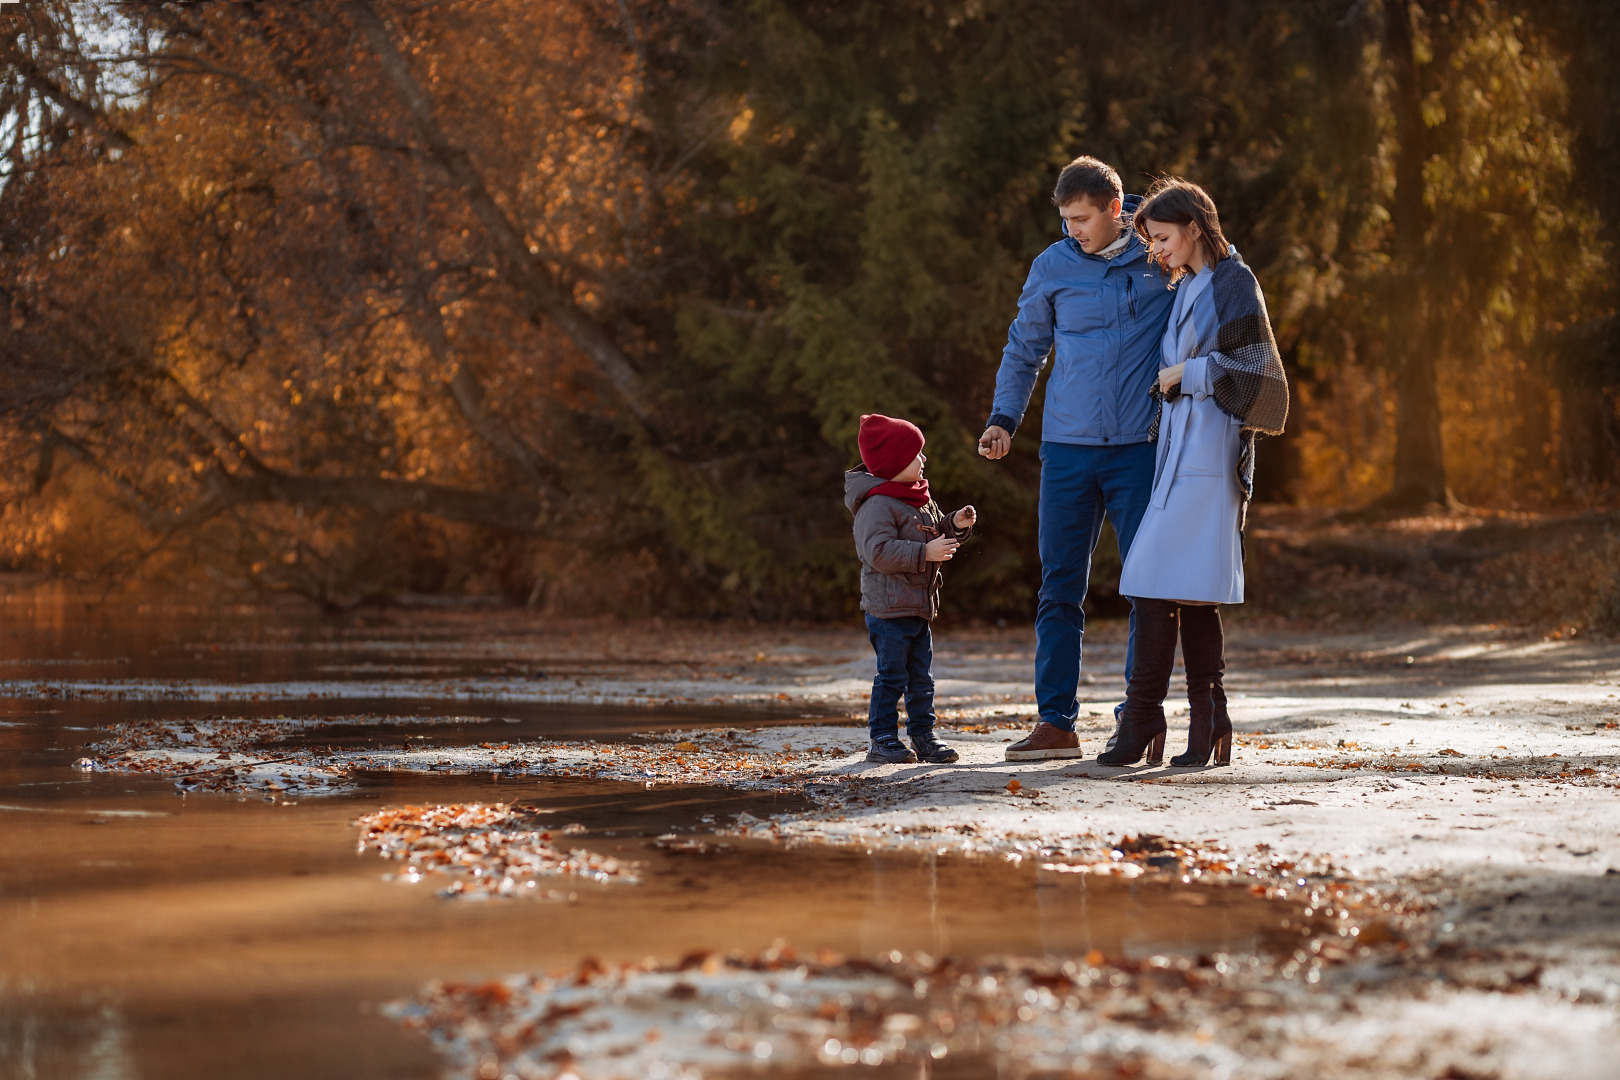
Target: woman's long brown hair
[(1174, 201)]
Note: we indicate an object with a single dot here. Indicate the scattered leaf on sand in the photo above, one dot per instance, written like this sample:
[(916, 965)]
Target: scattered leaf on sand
[(733, 1014)]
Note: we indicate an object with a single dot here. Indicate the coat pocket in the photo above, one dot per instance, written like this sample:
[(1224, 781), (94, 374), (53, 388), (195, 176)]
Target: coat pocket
[(1077, 309), (1208, 439)]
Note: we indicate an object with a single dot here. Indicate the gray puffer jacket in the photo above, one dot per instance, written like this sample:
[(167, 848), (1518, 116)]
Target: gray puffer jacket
[(891, 537)]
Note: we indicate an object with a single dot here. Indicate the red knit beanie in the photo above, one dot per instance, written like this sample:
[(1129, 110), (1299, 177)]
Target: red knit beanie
[(888, 445)]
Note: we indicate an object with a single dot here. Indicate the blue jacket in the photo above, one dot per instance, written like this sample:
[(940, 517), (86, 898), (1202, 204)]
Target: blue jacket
[(1106, 317)]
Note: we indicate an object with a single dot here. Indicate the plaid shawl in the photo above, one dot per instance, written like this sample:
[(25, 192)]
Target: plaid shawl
[(1251, 384)]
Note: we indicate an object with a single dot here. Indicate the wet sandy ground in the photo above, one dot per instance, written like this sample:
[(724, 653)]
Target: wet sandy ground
[(1452, 793), (217, 934)]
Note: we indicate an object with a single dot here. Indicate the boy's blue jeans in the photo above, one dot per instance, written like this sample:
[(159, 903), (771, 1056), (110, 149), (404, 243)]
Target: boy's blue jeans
[(905, 661), (1079, 486)]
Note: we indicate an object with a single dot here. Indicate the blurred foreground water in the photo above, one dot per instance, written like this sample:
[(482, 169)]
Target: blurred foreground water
[(148, 934)]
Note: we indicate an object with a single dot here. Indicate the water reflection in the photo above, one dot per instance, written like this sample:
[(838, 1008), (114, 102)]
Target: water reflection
[(143, 934), (953, 906), (225, 925), (93, 1045)]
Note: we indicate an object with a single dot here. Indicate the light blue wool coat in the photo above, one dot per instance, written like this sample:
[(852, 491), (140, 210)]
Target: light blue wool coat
[(1188, 546)]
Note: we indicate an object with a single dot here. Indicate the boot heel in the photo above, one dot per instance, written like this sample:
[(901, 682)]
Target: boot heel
[(1155, 750), (1223, 750)]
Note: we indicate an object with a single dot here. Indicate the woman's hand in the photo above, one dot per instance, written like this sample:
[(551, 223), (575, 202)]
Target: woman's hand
[(1171, 377), (941, 549), (965, 517)]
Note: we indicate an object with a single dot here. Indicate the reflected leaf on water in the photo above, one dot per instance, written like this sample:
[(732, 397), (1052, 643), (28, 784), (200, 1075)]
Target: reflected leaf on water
[(484, 849), (690, 845), (1122, 869)]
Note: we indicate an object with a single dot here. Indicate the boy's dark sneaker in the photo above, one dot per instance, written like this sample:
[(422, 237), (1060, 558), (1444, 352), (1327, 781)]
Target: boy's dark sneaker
[(890, 753), (934, 752)]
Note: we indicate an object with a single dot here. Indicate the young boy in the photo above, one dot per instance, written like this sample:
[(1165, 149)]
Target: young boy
[(903, 540)]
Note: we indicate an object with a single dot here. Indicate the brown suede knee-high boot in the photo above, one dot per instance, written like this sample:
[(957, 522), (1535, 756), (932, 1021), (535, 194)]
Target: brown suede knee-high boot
[(1141, 722), (1203, 647)]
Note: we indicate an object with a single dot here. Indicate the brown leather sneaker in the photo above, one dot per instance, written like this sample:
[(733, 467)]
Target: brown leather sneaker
[(1046, 741)]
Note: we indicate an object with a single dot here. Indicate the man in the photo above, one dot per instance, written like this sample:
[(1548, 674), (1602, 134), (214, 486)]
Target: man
[(1095, 297)]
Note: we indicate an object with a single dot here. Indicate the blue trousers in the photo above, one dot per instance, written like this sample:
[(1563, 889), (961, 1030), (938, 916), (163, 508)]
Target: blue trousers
[(905, 662), (1080, 485)]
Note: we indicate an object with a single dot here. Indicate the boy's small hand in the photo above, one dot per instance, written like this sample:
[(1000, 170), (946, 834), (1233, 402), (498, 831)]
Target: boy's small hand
[(965, 517), (942, 549)]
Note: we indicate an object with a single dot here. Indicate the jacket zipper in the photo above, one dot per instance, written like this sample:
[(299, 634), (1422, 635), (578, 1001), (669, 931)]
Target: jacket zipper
[(1130, 293)]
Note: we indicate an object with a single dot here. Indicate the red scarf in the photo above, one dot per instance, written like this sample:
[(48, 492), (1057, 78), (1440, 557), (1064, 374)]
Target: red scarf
[(915, 493)]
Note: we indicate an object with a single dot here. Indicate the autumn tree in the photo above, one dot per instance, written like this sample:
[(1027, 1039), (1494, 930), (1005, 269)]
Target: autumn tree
[(1486, 249), (581, 302), (335, 305)]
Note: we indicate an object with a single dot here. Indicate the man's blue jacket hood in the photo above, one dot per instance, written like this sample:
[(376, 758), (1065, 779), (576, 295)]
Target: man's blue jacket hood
[(1101, 319)]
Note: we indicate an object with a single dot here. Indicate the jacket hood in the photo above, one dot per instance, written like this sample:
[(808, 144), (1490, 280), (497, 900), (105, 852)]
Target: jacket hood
[(858, 484)]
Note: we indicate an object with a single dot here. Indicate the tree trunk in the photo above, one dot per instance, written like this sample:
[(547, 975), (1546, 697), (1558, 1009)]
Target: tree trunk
[(1420, 468), (1589, 439), (1412, 343)]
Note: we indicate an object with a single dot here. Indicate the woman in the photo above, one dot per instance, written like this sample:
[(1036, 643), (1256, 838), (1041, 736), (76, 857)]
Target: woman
[(1220, 381)]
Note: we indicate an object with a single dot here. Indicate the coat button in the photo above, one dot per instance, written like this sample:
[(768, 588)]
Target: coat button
[(1105, 438)]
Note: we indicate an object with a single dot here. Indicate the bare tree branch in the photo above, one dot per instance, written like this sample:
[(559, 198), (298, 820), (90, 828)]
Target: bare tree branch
[(508, 512), (542, 296), (88, 115), (468, 394)]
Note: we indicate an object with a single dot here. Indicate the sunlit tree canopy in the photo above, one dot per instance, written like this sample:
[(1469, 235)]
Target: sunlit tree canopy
[(580, 301)]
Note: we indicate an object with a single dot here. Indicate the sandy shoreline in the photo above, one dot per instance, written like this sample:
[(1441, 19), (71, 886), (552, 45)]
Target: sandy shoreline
[(1470, 774)]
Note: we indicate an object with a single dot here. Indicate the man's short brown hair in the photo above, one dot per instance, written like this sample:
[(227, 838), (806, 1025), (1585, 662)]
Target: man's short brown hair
[(1089, 177)]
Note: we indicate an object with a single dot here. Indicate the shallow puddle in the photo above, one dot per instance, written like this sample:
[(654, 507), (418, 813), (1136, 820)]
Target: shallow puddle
[(151, 935), (186, 943)]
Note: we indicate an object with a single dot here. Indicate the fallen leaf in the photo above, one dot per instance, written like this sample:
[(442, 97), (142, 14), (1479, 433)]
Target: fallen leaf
[(1448, 752)]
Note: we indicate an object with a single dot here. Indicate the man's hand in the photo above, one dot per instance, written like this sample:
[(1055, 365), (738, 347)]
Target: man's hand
[(994, 443), (965, 517), (1171, 376), (941, 549)]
